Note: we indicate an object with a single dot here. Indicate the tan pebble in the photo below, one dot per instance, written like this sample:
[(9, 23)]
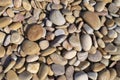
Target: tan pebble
[(113, 74), (115, 58), (62, 77), (48, 51), (49, 60), (76, 7), (98, 67), (10, 12), (42, 16), (110, 48), (33, 67), (66, 45), (109, 23), (83, 65), (5, 21), (17, 3), (35, 32), (72, 61), (92, 50), (101, 43), (70, 19), (42, 59), (100, 6), (35, 77), (30, 48), (112, 34), (26, 5), (106, 39), (11, 64), (20, 63), (44, 44), (50, 72), (11, 75), (93, 21), (56, 6), (72, 28), (15, 26), (89, 7), (104, 75), (104, 30), (107, 1), (70, 54), (2, 51), (5, 2), (2, 37), (21, 70), (15, 37), (32, 58), (98, 34)]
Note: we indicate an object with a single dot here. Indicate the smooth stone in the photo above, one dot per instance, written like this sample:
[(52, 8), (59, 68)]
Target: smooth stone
[(25, 75), (62, 77), (100, 6), (76, 13), (57, 18), (92, 50), (93, 21), (88, 29), (48, 23), (104, 75), (83, 65), (69, 73), (105, 61), (74, 40), (77, 63), (117, 21), (15, 37), (32, 58), (101, 43), (2, 51), (113, 74), (10, 13), (15, 26), (115, 58), (117, 3), (104, 30), (112, 34), (72, 61), (117, 52), (30, 48), (113, 8), (5, 21), (117, 40), (17, 3), (82, 56), (20, 63), (5, 2), (43, 71), (58, 59), (109, 23), (66, 45), (58, 69), (59, 32), (56, 6), (110, 48), (70, 54), (2, 37), (70, 18), (117, 67), (72, 28), (7, 40), (95, 57), (81, 76), (33, 67), (48, 51), (35, 32), (98, 67), (26, 5), (11, 75), (86, 42), (93, 75)]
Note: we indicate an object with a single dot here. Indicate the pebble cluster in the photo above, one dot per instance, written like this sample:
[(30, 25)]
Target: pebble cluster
[(59, 39)]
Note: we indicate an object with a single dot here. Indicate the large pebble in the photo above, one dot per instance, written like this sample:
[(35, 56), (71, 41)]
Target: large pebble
[(5, 21), (11, 75), (86, 42), (95, 57), (58, 69), (58, 59), (70, 54), (104, 75), (35, 32), (82, 56), (81, 76), (30, 48), (57, 18), (93, 21)]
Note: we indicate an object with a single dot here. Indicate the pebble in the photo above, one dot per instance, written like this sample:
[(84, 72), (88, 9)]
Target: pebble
[(104, 30), (69, 73), (32, 58), (92, 50), (25, 75), (35, 32), (95, 57), (2, 51), (26, 5), (117, 52), (10, 13), (90, 20), (15, 26), (117, 3), (59, 32), (98, 67), (110, 48), (48, 23), (86, 42), (93, 75), (115, 58), (100, 6), (70, 18), (112, 34), (57, 18), (74, 40), (30, 48), (33, 67), (113, 74), (82, 56), (56, 6), (113, 8), (101, 43), (5, 2), (72, 61), (77, 62), (62, 77), (20, 63), (76, 13), (17, 3), (104, 75), (66, 45), (58, 59), (44, 44), (48, 51), (43, 71), (58, 69), (117, 21), (88, 29), (5, 21), (109, 23), (117, 40), (83, 65), (81, 76), (70, 54), (72, 28), (118, 68), (105, 61), (11, 75)]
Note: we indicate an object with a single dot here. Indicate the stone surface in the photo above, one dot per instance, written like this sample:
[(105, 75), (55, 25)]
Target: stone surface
[(32, 58), (70, 54), (82, 56), (69, 73), (2, 51), (15, 26), (110, 48), (113, 74), (93, 75), (26, 5), (104, 75), (100, 6), (5, 21), (81, 75), (2, 37), (98, 67), (70, 18), (93, 21), (25, 75), (11, 75), (5, 2)]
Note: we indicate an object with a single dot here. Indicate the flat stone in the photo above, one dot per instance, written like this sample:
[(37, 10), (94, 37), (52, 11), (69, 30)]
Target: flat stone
[(86, 42), (95, 57), (32, 58), (109, 23), (81, 75), (93, 75), (57, 18), (112, 34), (110, 48), (69, 73), (115, 58), (98, 67), (30, 48), (10, 13), (70, 18), (113, 74), (58, 59), (48, 51), (88, 29), (35, 32), (58, 69), (5, 21), (59, 32), (2, 51), (101, 43), (26, 5), (100, 6), (5, 2), (15, 26), (83, 65), (113, 8), (20, 63), (11, 75), (25, 75), (82, 56), (70, 54), (104, 75), (117, 52), (93, 21), (66, 45), (44, 44), (33, 67)]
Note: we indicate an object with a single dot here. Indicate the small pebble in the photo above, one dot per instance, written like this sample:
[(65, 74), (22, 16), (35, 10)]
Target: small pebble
[(70, 54), (44, 44)]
